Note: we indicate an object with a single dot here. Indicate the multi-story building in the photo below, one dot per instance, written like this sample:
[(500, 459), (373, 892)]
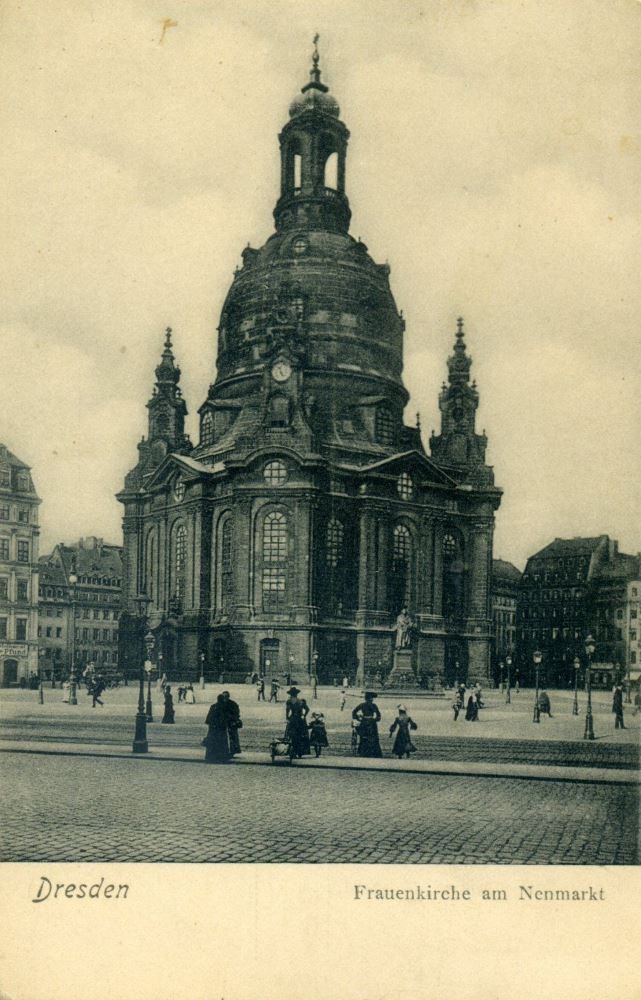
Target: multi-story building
[(628, 619), (18, 571), (80, 605), (614, 611), (503, 597), (572, 588), (308, 515)]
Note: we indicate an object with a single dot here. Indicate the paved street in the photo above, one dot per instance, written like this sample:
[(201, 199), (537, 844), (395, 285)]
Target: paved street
[(85, 809), (76, 808)]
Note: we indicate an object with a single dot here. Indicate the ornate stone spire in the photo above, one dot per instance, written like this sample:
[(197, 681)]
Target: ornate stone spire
[(167, 373), (459, 363)]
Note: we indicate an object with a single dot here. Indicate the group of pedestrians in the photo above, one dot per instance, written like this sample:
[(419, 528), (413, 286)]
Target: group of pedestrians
[(474, 702), (365, 719), (222, 742)]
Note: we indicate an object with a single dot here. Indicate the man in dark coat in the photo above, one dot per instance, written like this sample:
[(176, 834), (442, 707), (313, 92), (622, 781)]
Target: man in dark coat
[(617, 707), (234, 722)]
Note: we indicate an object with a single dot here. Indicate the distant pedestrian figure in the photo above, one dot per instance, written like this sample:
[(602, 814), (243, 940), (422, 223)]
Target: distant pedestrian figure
[(169, 706), (66, 687), (97, 689), (457, 705), (190, 697), (516, 682), (637, 702), (479, 695), (318, 733), (544, 704), (461, 693), (345, 682), (273, 691), (217, 740), (343, 698), (472, 710), (234, 722), (617, 707), (314, 686), (368, 716), (403, 745), (260, 688), (296, 712), (181, 693), (163, 682)]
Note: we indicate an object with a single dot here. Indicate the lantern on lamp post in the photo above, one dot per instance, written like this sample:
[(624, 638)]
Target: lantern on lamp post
[(575, 703), (202, 671), (537, 656), (508, 664), (588, 732)]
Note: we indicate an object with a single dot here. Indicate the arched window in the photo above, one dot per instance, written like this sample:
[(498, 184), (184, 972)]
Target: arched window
[(334, 544), (298, 171), (384, 424), (274, 582), (226, 564), (207, 428), (150, 589), (401, 581), (453, 576), (180, 558), (278, 411), (405, 486), (330, 179)]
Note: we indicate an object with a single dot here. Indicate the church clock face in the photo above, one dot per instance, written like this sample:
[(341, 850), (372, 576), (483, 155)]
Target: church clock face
[(281, 371)]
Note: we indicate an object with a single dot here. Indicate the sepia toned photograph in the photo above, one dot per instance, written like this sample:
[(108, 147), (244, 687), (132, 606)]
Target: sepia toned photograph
[(319, 486)]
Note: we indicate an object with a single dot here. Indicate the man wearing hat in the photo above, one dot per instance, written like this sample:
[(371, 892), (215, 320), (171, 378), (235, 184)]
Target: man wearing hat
[(296, 712), (368, 716)]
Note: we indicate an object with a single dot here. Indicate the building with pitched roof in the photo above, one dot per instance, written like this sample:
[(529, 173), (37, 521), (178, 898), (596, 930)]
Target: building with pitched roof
[(309, 514), (19, 532), (80, 607)]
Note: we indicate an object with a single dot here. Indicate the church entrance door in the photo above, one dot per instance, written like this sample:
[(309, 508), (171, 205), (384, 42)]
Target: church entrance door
[(455, 665), (269, 656), (9, 673)]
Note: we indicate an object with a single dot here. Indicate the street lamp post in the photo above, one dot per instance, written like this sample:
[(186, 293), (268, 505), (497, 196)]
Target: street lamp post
[(508, 663), (202, 671), (537, 657), (315, 665), (41, 696), (149, 669), (628, 684), (291, 668), (73, 579), (140, 744), (501, 674), (575, 703), (588, 733)]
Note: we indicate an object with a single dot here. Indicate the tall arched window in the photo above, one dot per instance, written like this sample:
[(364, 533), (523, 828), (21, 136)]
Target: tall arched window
[(279, 410), (401, 581), (384, 424), (334, 545), (150, 553), (207, 428), (298, 171), (180, 560), (274, 582), (330, 179), (226, 564), (453, 575)]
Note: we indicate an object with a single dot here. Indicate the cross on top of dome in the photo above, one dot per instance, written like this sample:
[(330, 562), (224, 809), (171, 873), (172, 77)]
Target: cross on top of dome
[(316, 95)]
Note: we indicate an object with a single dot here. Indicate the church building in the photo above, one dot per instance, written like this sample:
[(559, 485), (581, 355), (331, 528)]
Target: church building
[(309, 515)]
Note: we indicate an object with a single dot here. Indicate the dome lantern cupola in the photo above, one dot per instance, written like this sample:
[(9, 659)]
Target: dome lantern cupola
[(313, 148)]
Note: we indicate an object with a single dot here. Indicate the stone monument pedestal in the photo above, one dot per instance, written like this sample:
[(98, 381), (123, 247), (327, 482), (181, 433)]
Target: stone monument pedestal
[(402, 674)]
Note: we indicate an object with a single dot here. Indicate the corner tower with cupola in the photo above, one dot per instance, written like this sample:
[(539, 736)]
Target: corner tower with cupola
[(308, 514)]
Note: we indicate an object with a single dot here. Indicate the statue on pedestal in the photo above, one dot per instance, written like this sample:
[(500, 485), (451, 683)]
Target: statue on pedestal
[(403, 630)]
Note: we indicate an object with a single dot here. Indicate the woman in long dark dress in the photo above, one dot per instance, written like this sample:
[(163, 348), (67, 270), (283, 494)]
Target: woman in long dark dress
[(403, 745), (368, 716), (217, 740), (296, 711), (169, 706), (472, 710)]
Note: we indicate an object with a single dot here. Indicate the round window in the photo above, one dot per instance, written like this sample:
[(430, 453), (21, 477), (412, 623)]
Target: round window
[(299, 245), (405, 486), (275, 473)]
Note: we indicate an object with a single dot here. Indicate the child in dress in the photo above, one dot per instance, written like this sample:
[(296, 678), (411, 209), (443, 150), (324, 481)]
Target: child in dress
[(403, 745), (318, 733)]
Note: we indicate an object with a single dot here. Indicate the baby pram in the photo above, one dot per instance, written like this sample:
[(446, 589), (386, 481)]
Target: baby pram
[(282, 750)]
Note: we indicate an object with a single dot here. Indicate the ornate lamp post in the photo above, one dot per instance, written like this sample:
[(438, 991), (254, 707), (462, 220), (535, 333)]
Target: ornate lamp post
[(537, 657), (149, 669), (501, 674), (315, 665), (140, 744), (588, 733), (575, 703), (291, 667), (202, 671), (41, 696), (508, 663), (73, 580)]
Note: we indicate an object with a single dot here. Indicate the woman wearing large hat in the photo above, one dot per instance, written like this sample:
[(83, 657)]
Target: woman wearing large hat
[(296, 711), (368, 716)]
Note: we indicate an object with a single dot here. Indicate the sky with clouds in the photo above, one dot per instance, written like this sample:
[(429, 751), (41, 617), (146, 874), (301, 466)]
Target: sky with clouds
[(495, 163)]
